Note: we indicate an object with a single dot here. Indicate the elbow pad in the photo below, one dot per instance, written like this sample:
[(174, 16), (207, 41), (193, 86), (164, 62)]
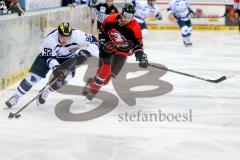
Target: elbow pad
[(52, 62)]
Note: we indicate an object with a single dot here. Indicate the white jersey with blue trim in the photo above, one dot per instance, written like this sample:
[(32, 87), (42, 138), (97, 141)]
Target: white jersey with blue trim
[(51, 46), (236, 4), (179, 8), (143, 10)]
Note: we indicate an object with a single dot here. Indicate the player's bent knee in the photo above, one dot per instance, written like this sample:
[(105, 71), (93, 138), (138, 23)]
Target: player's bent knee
[(27, 83), (184, 30)]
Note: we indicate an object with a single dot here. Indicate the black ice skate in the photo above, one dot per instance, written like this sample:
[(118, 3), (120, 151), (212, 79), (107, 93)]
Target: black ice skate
[(86, 90), (187, 42), (12, 101), (43, 96)]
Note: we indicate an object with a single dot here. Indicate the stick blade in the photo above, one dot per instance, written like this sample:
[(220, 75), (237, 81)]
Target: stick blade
[(218, 80), (17, 116), (11, 115)]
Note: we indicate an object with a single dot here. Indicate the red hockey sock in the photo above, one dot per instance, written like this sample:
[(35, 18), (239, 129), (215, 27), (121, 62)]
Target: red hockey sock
[(103, 73), (107, 80)]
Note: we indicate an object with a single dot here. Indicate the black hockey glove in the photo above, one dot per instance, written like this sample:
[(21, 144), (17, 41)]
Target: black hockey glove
[(177, 16), (142, 58), (84, 53), (237, 11), (143, 62), (102, 41), (82, 56), (57, 72), (191, 12)]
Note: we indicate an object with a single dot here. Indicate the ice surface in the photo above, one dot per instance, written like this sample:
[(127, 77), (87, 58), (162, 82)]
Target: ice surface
[(213, 133)]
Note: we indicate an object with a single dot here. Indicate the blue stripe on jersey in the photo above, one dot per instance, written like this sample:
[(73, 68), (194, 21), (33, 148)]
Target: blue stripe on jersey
[(68, 45)]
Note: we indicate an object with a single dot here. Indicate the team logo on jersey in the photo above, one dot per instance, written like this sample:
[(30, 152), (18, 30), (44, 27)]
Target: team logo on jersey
[(117, 37)]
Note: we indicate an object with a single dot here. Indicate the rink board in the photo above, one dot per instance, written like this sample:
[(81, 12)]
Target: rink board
[(204, 28), (24, 36)]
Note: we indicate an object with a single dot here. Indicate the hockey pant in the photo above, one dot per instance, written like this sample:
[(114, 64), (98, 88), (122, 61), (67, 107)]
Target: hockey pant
[(108, 67)]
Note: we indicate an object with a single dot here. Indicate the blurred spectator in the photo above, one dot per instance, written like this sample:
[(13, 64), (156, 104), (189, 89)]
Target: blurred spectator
[(3, 8), (79, 2), (14, 7), (90, 3), (69, 3), (101, 11)]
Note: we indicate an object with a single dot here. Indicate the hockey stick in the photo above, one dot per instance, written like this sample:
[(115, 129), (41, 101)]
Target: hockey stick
[(17, 115), (224, 15), (67, 67), (189, 75)]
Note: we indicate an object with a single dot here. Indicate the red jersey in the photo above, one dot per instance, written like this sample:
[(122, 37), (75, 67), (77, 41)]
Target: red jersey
[(119, 34)]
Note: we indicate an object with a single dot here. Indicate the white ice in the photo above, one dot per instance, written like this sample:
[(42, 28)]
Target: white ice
[(213, 133)]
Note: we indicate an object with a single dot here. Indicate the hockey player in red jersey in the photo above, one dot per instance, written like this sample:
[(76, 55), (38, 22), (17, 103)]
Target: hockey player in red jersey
[(121, 37)]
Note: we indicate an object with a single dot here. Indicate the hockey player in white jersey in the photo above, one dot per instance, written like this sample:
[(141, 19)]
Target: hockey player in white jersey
[(102, 11), (57, 47), (144, 8), (181, 10)]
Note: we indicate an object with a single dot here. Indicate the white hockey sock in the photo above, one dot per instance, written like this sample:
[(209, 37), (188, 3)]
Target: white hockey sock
[(46, 93)]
